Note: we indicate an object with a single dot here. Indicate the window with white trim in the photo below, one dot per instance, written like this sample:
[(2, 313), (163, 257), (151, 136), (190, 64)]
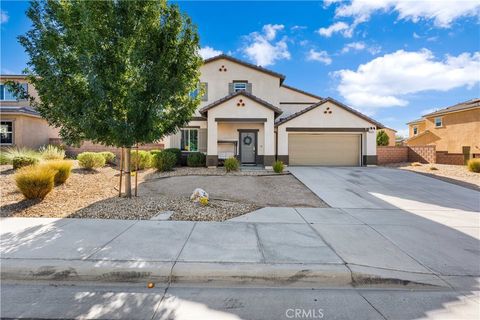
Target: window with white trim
[(240, 86), (438, 122), (7, 95), (6, 132), (415, 131), (189, 140)]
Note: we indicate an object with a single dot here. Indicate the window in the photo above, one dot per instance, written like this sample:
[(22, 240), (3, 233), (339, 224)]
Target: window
[(438, 122), (7, 95), (189, 140), (415, 131), (196, 92), (239, 86), (6, 132)]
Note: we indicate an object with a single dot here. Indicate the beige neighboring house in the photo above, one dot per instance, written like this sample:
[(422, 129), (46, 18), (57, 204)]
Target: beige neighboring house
[(455, 129), (21, 125), (249, 112)]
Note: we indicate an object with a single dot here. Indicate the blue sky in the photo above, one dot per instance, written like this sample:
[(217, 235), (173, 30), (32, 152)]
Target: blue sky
[(394, 60)]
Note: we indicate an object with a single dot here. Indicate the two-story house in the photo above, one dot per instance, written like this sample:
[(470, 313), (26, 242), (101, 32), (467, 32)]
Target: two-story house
[(249, 112), (455, 129)]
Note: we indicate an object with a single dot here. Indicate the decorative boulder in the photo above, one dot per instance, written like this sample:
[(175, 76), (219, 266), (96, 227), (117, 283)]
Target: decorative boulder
[(199, 196)]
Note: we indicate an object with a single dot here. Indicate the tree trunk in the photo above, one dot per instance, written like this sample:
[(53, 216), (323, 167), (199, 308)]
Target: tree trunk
[(128, 177)]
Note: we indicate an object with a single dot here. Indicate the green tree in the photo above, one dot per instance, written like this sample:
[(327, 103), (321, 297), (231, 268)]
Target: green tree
[(113, 72), (382, 138)]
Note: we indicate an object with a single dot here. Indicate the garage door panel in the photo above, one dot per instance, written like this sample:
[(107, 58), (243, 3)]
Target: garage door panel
[(324, 149)]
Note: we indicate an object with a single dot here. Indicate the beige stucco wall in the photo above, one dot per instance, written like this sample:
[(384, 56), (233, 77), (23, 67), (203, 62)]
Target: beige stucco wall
[(459, 129), (30, 132), (229, 109), (339, 118), (420, 125), (264, 86), (391, 136)]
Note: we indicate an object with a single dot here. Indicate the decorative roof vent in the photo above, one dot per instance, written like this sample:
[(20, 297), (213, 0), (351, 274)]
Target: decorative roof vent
[(222, 68)]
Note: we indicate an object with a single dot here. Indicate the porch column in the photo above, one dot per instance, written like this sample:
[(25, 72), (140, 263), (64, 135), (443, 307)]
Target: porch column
[(212, 145), (269, 143)]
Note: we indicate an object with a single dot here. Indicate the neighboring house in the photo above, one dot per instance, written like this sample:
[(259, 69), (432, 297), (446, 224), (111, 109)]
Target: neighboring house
[(20, 124), (455, 129), (248, 112)]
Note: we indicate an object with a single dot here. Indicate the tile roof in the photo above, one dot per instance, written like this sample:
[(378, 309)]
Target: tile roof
[(264, 103), (19, 109), (473, 103)]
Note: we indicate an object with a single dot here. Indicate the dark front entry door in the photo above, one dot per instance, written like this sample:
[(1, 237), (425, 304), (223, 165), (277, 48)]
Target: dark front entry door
[(248, 146)]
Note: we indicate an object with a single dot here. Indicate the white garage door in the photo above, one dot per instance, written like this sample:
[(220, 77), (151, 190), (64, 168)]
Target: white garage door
[(324, 149)]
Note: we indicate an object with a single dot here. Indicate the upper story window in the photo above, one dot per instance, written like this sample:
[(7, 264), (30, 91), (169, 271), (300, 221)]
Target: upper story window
[(7, 95), (6, 132), (415, 131), (240, 86), (438, 122), (203, 86)]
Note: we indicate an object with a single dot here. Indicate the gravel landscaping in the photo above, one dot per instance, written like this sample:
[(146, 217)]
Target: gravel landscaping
[(88, 194), (450, 173)]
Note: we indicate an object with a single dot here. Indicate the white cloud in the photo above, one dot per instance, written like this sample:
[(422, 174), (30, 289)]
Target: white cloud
[(443, 13), (340, 27), (4, 17), (208, 52), (263, 50), (360, 45), (386, 80), (295, 28), (320, 56), (416, 36)]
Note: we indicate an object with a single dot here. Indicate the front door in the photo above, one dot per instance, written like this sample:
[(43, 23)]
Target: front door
[(248, 145)]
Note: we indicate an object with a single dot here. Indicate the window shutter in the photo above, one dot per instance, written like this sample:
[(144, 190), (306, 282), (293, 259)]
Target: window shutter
[(205, 91), (230, 88), (249, 87), (202, 140), (1, 92)]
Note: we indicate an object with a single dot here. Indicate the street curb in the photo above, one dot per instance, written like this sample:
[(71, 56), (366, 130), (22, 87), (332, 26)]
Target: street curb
[(241, 274)]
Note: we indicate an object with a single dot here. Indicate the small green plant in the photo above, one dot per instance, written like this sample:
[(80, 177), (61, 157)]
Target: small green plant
[(35, 182), (165, 161), (196, 159), (109, 157), (63, 169), (154, 152), (278, 166), (231, 164), (90, 160), (9, 153), (144, 159), (382, 138), (474, 165), (178, 154), (23, 161), (51, 152), (4, 158)]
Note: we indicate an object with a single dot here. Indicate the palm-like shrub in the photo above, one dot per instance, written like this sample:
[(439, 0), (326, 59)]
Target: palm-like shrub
[(35, 182), (474, 165), (165, 161), (23, 161), (90, 160), (50, 152), (62, 167), (231, 164), (9, 153)]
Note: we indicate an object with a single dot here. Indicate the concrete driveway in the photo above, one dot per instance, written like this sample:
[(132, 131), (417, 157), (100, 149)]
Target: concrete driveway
[(384, 188)]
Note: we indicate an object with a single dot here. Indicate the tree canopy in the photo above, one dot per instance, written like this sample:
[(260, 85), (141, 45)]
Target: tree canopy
[(113, 72), (382, 138)]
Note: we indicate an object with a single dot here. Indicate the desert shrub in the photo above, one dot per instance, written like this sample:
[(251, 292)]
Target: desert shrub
[(35, 182), (382, 138), (433, 168), (4, 158), (109, 156), (51, 152), (165, 161), (23, 161), (231, 164), (90, 160), (416, 164), (196, 159), (278, 166), (177, 152), (474, 165), (9, 153), (144, 159), (63, 169), (154, 152)]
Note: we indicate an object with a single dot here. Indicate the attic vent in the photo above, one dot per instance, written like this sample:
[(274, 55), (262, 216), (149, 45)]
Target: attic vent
[(222, 68)]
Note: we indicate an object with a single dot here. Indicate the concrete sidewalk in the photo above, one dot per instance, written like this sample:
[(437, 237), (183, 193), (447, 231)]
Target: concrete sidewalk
[(313, 247)]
